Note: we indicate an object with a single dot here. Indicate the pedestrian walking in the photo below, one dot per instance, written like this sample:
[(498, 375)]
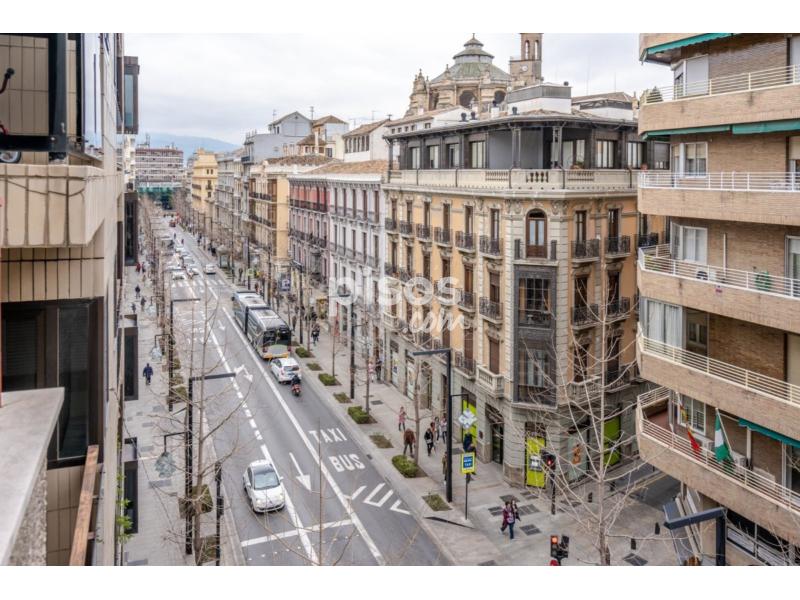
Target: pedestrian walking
[(138, 267), (371, 370), (133, 307), (294, 322), (138, 290), (143, 270), (144, 302), (408, 442), (510, 517), (443, 427), (378, 365), (429, 438), (148, 373), (401, 419), (437, 426)]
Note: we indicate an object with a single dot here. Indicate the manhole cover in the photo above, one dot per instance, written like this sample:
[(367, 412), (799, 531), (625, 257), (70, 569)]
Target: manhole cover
[(635, 560), (531, 529)]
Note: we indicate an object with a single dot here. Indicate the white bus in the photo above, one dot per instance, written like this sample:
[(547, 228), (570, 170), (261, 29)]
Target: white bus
[(267, 332)]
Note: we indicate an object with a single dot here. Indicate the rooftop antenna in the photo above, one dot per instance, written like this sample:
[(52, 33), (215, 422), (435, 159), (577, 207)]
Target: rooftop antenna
[(312, 113), (389, 116)]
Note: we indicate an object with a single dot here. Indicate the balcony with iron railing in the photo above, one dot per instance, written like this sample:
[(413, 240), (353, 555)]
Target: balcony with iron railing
[(733, 483), (645, 240), (442, 236), (405, 275), (390, 269), (491, 309), (444, 291), (585, 251), (536, 318), (742, 98), (618, 247), (493, 383), (390, 224), (618, 309), (759, 398), (406, 228), (423, 232), (753, 296), (464, 364), (584, 315), (491, 246), (751, 197), (534, 251), (563, 180), (466, 300), (465, 241)]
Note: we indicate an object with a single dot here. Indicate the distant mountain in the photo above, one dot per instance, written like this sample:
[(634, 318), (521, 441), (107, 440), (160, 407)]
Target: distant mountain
[(187, 143)]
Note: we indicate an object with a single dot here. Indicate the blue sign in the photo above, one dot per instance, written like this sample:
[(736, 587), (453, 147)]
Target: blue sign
[(468, 463)]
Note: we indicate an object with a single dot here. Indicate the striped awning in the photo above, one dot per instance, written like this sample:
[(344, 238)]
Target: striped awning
[(689, 41), (784, 439)]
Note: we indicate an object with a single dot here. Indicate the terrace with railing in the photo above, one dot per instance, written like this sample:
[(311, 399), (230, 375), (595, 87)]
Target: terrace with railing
[(728, 84), (724, 181)]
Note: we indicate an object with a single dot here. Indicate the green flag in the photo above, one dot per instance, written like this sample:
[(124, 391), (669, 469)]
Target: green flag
[(721, 450)]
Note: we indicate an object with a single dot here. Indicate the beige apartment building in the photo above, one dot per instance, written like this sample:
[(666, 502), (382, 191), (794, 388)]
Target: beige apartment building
[(204, 183), (720, 309), (269, 213), (530, 207), (64, 331)]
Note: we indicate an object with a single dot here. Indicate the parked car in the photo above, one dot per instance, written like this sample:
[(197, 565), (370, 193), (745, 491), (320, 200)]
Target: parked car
[(263, 487), (210, 269), (284, 369), (178, 275)]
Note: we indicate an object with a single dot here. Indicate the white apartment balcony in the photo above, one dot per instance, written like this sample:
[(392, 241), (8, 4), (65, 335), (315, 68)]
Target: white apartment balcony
[(757, 297), (758, 197), (542, 180), (749, 97), (55, 205), (493, 383), (756, 495), (759, 398)]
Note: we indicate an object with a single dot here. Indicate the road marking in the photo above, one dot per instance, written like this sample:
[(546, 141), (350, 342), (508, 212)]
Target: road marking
[(294, 518), (253, 424), (358, 492), (396, 508), (247, 413), (303, 478), (376, 553), (382, 501), (288, 534)]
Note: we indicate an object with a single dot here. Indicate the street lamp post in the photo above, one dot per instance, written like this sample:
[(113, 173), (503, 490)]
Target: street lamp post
[(189, 453), (171, 347), (353, 348)]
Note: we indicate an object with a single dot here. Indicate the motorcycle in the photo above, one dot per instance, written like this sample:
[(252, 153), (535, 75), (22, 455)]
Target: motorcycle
[(296, 389)]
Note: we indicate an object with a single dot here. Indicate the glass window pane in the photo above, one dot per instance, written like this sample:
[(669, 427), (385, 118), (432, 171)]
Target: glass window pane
[(73, 376)]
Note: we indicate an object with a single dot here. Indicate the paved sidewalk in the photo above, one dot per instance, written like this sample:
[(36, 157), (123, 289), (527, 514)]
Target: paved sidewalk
[(160, 536), (477, 539)]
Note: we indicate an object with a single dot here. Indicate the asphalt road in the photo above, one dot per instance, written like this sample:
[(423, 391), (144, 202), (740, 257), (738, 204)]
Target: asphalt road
[(339, 508)]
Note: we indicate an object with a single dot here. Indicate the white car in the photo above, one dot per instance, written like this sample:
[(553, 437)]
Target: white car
[(263, 487), (178, 275), (210, 269), (284, 369)]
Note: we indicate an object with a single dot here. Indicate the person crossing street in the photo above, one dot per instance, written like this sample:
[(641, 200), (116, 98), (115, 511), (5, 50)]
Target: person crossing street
[(148, 373)]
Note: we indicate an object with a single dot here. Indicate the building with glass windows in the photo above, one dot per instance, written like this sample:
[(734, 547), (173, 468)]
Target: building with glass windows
[(720, 303)]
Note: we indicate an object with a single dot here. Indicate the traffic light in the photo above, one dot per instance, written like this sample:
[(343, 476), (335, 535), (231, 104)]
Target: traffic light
[(554, 546), (564, 546), (549, 460)]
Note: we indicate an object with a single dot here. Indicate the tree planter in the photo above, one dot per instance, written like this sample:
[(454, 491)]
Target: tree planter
[(407, 467), (359, 415)]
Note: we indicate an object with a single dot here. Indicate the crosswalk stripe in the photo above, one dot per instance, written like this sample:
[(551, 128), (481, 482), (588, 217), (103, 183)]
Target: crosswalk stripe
[(382, 501)]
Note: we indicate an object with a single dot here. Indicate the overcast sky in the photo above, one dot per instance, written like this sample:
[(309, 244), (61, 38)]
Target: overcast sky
[(224, 85)]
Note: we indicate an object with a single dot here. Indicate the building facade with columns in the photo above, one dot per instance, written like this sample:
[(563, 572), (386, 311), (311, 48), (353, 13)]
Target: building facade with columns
[(531, 212)]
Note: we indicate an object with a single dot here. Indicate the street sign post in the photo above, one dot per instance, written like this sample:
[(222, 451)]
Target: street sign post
[(467, 463)]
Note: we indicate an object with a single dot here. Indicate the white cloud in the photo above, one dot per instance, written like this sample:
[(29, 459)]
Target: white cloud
[(224, 85)]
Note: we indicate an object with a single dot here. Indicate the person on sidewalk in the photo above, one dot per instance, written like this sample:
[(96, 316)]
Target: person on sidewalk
[(144, 302), (378, 365), (138, 290), (408, 442), (443, 428), (510, 517), (315, 334), (148, 373), (138, 268), (133, 307), (437, 425), (429, 438), (401, 419)]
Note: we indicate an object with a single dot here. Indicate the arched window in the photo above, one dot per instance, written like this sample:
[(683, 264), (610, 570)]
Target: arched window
[(527, 50), (466, 99), (536, 234), (499, 96), (536, 50)]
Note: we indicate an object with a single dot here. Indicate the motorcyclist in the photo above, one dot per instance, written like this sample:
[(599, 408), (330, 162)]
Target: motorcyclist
[(295, 380)]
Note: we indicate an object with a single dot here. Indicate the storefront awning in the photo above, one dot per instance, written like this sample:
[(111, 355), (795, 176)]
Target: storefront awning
[(769, 433), (689, 41), (767, 127), (687, 130)]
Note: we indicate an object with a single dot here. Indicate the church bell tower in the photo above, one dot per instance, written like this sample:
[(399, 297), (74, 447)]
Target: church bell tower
[(526, 69)]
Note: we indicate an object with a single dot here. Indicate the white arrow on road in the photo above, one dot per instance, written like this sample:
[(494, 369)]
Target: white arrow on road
[(247, 374), (369, 499), (396, 508), (304, 479)]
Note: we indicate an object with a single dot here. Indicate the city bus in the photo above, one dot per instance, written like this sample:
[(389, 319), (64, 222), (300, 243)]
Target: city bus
[(267, 332)]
